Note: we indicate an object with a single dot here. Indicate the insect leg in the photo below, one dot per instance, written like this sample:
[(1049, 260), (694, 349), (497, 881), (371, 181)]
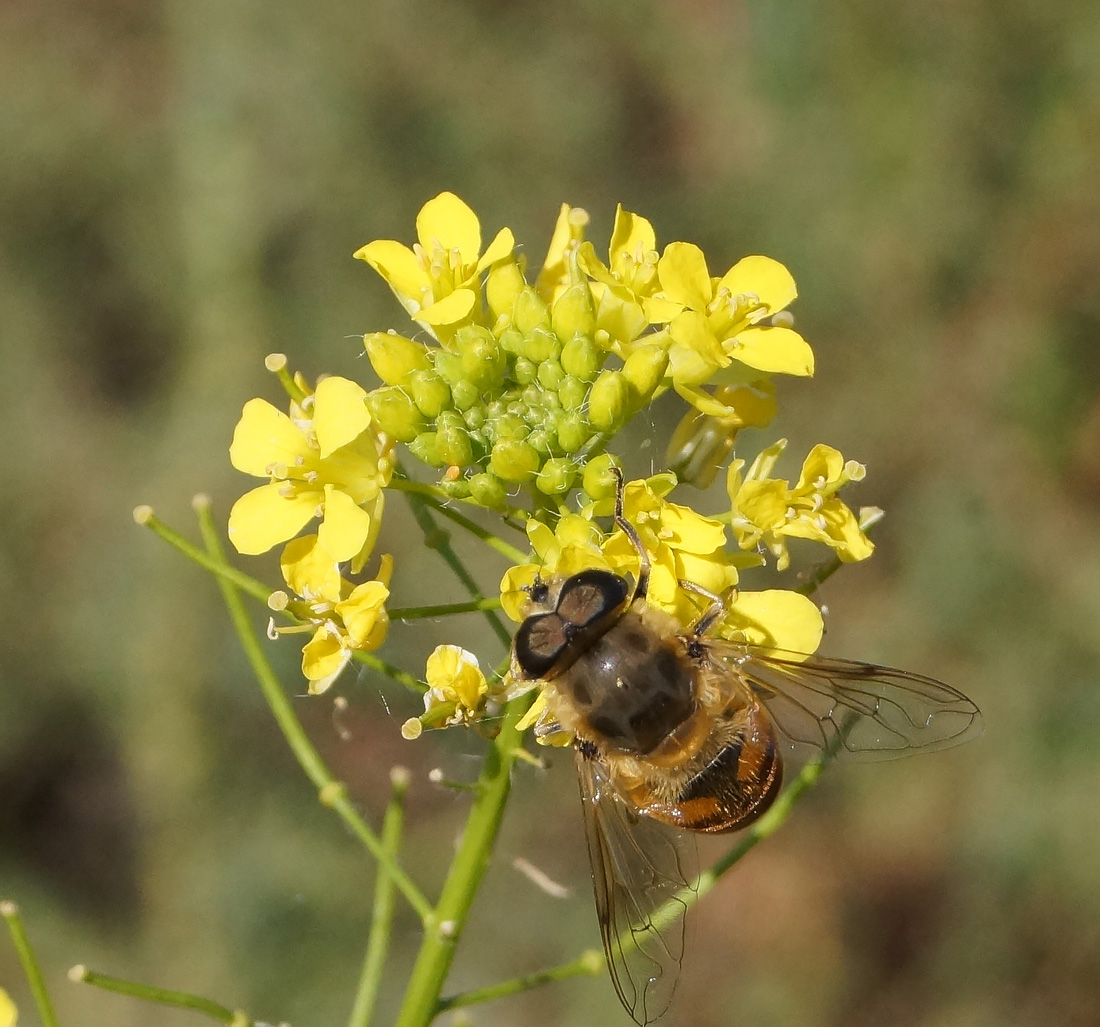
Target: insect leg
[(714, 613), (641, 586)]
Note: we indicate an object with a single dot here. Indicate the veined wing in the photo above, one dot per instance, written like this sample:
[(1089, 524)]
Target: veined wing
[(848, 709), (640, 871)]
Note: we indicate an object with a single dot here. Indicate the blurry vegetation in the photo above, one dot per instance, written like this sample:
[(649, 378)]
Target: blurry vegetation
[(181, 188)]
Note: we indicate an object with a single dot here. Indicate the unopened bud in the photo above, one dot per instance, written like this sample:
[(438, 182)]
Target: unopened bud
[(529, 311), (598, 481), (541, 344), (504, 284), (453, 447), (557, 476), (571, 391), (487, 490), (482, 358), (449, 366), (550, 374), (643, 370), (464, 394), (430, 393), (513, 460), (425, 447), (573, 432), (607, 401), (456, 488), (574, 312), (525, 371), (395, 413), (581, 357), (395, 358)]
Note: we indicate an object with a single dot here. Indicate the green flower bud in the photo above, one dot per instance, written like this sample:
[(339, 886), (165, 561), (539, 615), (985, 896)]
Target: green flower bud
[(532, 395), (513, 460), (528, 311), (494, 409), (598, 481), (540, 440), (430, 393), (582, 358), (511, 340), (525, 371), (571, 392), (607, 401), (395, 413), (556, 477), (504, 284), (574, 312), (573, 432), (550, 400), (644, 369), (483, 361), (508, 426), (453, 447), (456, 488), (550, 374), (449, 366), (465, 394), (394, 358), (449, 419), (487, 490), (474, 417), (541, 344), (424, 448)]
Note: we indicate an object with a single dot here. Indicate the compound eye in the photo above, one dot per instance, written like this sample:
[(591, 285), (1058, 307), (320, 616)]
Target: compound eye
[(589, 596), (539, 643)]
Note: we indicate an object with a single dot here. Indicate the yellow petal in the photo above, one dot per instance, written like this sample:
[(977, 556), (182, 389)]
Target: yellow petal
[(683, 528), (398, 265), (543, 541), (445, 221), (363, 612), (822, 462), (502, 245), (339, 413), (345, 526), (323, 657), (704, 401), (776, 350), (265, 516), (777, 618), (630, 234), (455, 672), (684, 276), (513, 595), (264, 437), (9, 1015), (449, 310), (695, 353), (309, 570), (763, 277), (764, 503), (538, 707), (553, 267)]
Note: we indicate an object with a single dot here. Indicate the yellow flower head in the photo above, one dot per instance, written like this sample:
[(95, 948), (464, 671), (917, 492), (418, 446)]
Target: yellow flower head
[(9, 1015), (767, 511), (437, 280), (325, 459), (456, 685)]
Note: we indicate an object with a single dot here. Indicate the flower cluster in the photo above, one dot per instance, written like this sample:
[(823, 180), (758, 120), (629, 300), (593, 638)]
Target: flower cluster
[(513, 387)]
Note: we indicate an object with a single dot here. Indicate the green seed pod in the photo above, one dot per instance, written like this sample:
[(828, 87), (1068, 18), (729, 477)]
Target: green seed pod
[(541, 344), (571, 391), (643, 370), (465, 394), (394, 358), (598, 481), (456, 488), (582, 358), (430, 393), (525, 371), (474, 418), (454, 448), (573, 432), (607, 401), (574, 312), (424, 448), (550, 374), (487, 490), (513, 460), (449, 367), (556, 477), (395, 413), (528, 311), (483, 361)]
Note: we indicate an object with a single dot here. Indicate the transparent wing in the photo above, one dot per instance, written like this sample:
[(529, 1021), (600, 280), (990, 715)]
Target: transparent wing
[(640, 868), (851, 710)]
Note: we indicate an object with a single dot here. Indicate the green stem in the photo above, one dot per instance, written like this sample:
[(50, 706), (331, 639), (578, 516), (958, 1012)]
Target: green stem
[(588, 963), (402, 677), (31, 970), (332, 793), (437, 539), (382, 913), (467, 869), (444, 610), (162, 996), (439, 500)]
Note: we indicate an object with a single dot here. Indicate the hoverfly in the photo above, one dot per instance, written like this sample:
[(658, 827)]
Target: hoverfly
[(677, 731)]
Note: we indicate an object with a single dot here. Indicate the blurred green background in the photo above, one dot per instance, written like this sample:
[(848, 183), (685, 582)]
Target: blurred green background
[(181, 187)]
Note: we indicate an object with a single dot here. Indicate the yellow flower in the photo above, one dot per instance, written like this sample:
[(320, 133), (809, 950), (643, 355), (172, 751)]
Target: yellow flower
[(342, 616), (325, 459), (9, 1015), (437, 280), (727, 320), (456, 684), (767, 511)]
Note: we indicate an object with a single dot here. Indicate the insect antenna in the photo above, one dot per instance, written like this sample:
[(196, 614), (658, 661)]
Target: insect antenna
[(641, 586)]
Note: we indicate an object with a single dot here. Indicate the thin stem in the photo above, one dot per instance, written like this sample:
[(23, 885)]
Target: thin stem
[(435, 495), (31, 970), (218, 566), (162, 996), (590, 963), (332, 793), (437, 539), (443, 610), (467, 869), (402, 677), (382, 913)]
